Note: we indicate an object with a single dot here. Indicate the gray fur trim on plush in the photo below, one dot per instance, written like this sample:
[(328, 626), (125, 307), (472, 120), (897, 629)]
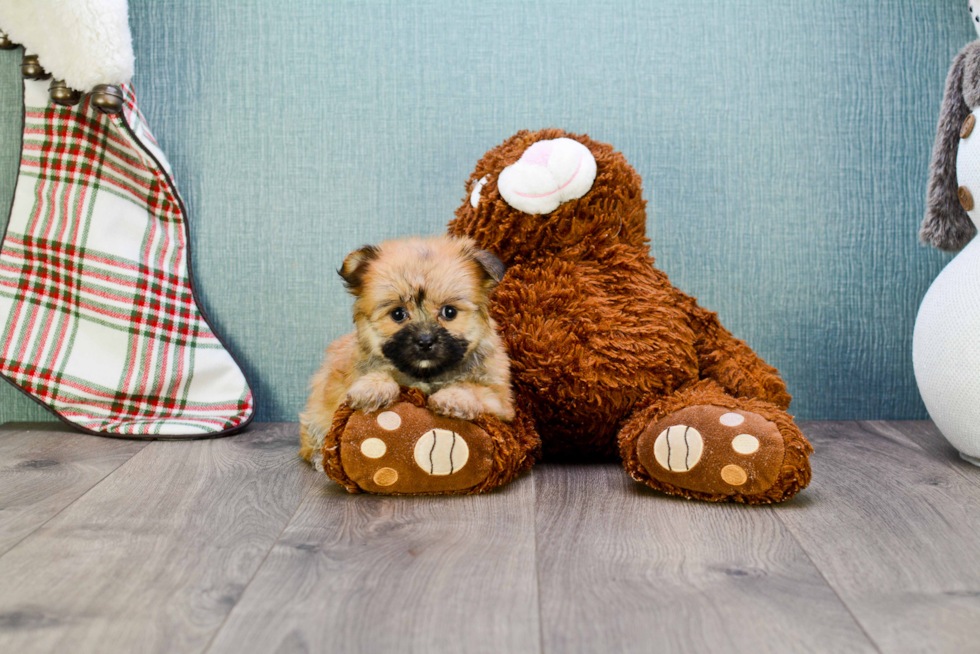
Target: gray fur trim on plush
[(946, 225)]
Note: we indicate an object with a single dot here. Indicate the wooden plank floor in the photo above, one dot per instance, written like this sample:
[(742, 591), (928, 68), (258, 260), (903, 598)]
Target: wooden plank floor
[(235, 545)]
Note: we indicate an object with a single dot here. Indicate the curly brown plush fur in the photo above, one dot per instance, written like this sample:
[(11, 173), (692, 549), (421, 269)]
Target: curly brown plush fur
[(601, 343)]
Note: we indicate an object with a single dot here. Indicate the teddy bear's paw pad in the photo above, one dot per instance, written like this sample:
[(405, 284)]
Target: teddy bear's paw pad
[(711, 449), (409, 450)]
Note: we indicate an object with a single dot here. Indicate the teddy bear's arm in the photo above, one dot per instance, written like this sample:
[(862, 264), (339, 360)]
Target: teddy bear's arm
[(947, 225), (733, 364)]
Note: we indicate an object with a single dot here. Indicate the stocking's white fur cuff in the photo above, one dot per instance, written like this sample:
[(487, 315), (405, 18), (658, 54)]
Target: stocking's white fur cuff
[(84, 42)]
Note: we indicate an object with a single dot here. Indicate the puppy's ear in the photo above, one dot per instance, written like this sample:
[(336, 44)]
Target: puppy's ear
[(492, 267), (355, 266)]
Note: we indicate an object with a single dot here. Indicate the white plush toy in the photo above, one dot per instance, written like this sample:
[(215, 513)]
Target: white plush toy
[(946, 343)]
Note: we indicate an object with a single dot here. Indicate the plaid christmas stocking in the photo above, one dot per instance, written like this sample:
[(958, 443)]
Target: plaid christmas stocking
[(98, 317)]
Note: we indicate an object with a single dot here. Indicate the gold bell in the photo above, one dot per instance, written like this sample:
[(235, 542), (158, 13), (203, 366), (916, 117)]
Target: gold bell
[(31, 68), (63, 94), (5, 42), (107, 98)]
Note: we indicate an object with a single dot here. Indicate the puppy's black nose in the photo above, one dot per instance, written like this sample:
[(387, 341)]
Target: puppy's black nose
[(425, 341)]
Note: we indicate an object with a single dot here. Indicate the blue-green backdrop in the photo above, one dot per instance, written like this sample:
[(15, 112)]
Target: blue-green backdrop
[(784, 148)]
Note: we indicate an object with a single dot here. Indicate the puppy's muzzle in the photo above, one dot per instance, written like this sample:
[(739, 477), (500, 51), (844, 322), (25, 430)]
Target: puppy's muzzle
[(424, 351)]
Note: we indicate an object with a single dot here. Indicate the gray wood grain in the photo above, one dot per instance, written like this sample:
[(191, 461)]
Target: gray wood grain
[(895, 529), (235, 545), (925, 434), (625, 569), (154, 557), (45, 467), (360, 573)]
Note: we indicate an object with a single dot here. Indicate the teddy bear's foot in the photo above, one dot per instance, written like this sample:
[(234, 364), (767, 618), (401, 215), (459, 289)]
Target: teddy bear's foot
[(408, 450), (718, 453), (711, 449)]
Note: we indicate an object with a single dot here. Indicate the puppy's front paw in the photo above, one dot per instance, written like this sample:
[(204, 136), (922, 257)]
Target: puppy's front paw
[(456, 402), (372, 392)]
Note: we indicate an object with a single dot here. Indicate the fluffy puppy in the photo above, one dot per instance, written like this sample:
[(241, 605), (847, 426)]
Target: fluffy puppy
[(421, 320)]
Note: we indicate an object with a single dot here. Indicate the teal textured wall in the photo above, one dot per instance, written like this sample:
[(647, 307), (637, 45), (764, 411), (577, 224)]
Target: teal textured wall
[(784, 149)]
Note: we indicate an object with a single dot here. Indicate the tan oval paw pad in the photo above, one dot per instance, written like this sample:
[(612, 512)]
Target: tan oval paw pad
[(385, 477), (731, 419), (389, 420), (373, 448), (734, 475), (745, 444)]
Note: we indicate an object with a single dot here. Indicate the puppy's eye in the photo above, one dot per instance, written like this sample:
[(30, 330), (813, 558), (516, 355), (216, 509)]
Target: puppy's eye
[(399, 314), (448, 312)]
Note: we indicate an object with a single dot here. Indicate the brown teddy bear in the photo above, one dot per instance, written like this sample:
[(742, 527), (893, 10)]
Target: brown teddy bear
[(607, 357)]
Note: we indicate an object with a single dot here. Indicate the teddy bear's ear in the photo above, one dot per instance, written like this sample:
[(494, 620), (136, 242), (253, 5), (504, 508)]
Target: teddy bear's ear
[(492, 267), (549, 173), (947, 225), (355, 266)]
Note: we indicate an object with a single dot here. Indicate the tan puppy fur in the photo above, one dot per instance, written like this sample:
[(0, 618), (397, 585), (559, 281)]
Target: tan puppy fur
[(421, 320)]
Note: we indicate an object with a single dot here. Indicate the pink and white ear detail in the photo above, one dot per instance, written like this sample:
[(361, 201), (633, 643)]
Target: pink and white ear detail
[(548, 174)]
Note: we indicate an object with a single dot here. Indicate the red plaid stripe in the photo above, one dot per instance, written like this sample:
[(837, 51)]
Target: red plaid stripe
[(55, 275), (99, 318)]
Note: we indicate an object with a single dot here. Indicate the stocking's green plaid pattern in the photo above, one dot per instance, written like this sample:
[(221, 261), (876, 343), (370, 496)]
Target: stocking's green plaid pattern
[(99, 319)]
